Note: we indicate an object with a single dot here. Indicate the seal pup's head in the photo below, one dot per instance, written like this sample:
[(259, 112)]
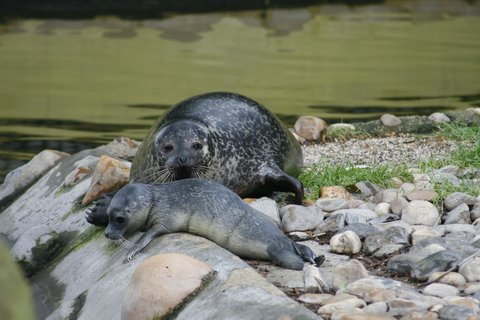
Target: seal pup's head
[(128, 211), (184, 150)]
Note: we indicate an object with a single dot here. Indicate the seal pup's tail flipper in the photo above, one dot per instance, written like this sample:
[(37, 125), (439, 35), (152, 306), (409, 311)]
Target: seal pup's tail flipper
[(285, 258), (98, 214), (308, 255)]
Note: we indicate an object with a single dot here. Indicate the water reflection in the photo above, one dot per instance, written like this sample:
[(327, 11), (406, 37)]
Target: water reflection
[(87, 81)]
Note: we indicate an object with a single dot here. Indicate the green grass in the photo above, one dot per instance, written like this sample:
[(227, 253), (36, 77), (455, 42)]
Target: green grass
[(466, 156), (459, 131), (320, 175)]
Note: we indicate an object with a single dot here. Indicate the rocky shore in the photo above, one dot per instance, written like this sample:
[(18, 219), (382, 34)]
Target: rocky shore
[(390, 253)]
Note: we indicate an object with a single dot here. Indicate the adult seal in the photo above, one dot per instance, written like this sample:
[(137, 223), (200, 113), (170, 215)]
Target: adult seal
[(220, 136), (205, 208)]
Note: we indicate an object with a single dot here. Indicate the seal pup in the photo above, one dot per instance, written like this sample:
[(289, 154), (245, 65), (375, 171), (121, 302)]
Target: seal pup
[(220, 136), (205, 208)]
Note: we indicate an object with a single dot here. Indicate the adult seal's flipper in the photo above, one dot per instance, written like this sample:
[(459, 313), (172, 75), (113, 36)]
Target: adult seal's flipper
[(276, 179), (98, 214)]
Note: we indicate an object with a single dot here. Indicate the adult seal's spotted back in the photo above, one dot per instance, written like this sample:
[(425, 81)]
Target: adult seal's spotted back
[(223, 137)]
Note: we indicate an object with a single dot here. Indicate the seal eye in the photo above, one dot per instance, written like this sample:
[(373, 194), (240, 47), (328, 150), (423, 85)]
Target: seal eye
[(168, 148), (120, 220), (197, 146)]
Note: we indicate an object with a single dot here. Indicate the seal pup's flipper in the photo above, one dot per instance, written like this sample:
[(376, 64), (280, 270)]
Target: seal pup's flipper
[(144, 240), (98, 214), (276, 179), (285, 258)]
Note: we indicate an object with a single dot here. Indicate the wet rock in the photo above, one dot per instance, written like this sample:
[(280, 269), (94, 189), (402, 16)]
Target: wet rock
[(382, 208), (471, 288), (361, 230), (268, 207), (425, 194), (421, 181), (331, 225), (440, 261), (398, 306), (401, 265), (346, 243), (331, 204), (311, 128), (335, 192), (388, 250), (475, 213), (366, 316), (341, 274), (460, 228), (406, 188), (76, 175), (440, 290), (460, 214), (423, 232), (415, 315), (420, 212), (468, 302), (367, 205), (377, 308), (439, 117), (393, 235), (174, 278), (452, 278), (455, 199), (20, 178), (109, 175), (396, 223), (286, 278), (35, 248), (300, 218), (122, 147), (387, 195), (340, 302), (368, 189), (397, 205), (471, 270), (450, 169), (314, 298), (312, 279), (441, 177), (390, 120), (384, 219), (453, 312), (353, 216)]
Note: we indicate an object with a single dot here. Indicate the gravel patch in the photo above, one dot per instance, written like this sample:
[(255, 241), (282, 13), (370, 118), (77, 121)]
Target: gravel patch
[(372, 151)]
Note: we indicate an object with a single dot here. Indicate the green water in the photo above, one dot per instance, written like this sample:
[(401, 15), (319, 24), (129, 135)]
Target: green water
[(74, 84)]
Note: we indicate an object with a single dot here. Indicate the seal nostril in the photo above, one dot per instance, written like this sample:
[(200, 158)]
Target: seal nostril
[(182, 161), (120, 220)]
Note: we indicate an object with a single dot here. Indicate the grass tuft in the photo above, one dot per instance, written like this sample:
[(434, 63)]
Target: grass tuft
[(320, 175), (459, 131)]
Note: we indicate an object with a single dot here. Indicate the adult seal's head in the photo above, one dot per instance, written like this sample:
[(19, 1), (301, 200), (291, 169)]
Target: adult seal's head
[(205, 208), (184, 149), (224, 137)]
